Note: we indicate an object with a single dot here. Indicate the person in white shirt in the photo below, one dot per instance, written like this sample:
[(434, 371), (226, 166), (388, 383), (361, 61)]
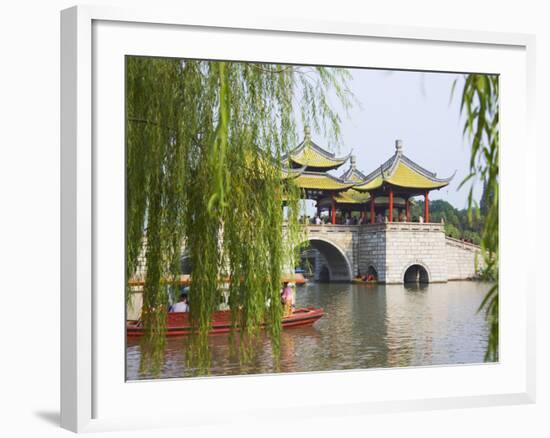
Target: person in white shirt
[(181, 305)]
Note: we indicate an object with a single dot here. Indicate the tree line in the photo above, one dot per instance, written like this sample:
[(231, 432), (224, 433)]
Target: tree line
[(460, 224)]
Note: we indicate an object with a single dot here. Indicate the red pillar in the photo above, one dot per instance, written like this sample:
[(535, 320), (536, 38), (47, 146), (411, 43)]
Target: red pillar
[(371, 209), (391, 207), (333, 210), (426, 207), (407, 210)]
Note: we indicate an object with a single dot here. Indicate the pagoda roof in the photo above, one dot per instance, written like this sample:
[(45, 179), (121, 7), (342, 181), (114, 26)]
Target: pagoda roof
[(292, 173), (351, 196), (400, 171), (314, 157), (309, 180), (353, 174)]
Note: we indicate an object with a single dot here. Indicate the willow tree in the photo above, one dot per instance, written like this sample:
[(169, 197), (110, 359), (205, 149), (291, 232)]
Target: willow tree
[(480, 104), (205, 170)]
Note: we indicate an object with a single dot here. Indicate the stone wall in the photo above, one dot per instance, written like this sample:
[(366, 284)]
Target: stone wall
[(391, 248), (372, 250), (463, 259), (409, 244)]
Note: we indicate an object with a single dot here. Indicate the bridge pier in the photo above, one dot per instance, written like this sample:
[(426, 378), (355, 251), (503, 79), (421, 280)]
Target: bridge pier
[(390, 249)]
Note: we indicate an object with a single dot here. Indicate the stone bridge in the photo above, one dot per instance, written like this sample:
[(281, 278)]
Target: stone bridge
[(394, 252)]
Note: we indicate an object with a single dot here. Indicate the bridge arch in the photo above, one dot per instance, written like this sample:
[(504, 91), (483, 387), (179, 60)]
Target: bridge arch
[(416, 272), (337, 262), (372, 271)]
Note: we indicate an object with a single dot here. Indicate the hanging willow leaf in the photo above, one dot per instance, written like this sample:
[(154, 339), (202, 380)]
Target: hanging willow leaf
[(480, 98), (205, 142)]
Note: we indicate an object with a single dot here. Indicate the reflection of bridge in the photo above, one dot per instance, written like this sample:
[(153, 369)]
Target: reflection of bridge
[(395, 252)]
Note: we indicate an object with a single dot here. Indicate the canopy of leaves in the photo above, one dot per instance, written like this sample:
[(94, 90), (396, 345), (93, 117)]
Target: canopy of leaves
[(204, 172), (480, 105)]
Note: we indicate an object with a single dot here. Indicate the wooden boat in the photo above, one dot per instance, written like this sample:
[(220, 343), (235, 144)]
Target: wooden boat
[(177, 323), (362, 281)]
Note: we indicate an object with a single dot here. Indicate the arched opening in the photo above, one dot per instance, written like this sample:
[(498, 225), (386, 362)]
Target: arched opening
[(331, 263), (308, 259), (324, 275), (372, 273), (416, 274)]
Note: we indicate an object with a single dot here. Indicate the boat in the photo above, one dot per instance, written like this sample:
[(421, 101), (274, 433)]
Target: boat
[(177, 323), (360, 280)]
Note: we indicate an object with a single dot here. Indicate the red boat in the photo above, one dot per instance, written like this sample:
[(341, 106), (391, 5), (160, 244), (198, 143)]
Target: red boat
[(178, 322)]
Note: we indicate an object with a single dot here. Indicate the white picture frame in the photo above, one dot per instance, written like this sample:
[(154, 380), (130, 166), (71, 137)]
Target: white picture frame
[(92, 393)]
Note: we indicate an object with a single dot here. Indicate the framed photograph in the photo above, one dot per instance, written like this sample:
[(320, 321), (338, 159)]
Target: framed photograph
[(304, 218)]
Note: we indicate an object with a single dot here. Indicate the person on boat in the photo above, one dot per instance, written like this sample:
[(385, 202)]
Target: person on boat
[(182, 305), (287, 299)]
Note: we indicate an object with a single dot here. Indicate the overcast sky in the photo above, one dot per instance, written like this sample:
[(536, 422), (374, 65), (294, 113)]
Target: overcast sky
[(416, 108)]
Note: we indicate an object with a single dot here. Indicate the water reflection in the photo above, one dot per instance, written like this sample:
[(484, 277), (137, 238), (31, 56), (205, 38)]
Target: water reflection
[(364, 326)]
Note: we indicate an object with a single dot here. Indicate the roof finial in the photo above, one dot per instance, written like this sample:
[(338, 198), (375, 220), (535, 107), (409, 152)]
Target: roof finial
[(307, 133), (352, 162), (398, 146)]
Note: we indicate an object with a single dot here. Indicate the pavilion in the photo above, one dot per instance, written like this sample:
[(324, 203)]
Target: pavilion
[(313, 157), (391, 186), (313, 164), (400, 179), (349, 200)]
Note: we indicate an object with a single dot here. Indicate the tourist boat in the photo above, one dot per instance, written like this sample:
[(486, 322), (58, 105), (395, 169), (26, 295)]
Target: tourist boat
[(360, 280), (177, 323)]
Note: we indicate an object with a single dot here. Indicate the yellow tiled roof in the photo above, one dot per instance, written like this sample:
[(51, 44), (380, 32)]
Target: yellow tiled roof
[(310, 156), (402, 172), (351, 196), (355, 178), (405, 176), (370, 185), (320, 181)]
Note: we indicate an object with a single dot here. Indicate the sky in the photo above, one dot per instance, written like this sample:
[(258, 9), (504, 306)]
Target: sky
[(415, 107)]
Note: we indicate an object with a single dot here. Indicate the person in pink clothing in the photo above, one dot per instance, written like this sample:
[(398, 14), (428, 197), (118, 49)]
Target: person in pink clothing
[(286, 299)]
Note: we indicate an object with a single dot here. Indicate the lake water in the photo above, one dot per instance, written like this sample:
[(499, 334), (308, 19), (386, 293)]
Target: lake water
[(363, 327)]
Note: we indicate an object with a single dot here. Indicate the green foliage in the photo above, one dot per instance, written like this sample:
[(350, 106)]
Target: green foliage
[(479, 104), (205, 142), (466, 224)]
